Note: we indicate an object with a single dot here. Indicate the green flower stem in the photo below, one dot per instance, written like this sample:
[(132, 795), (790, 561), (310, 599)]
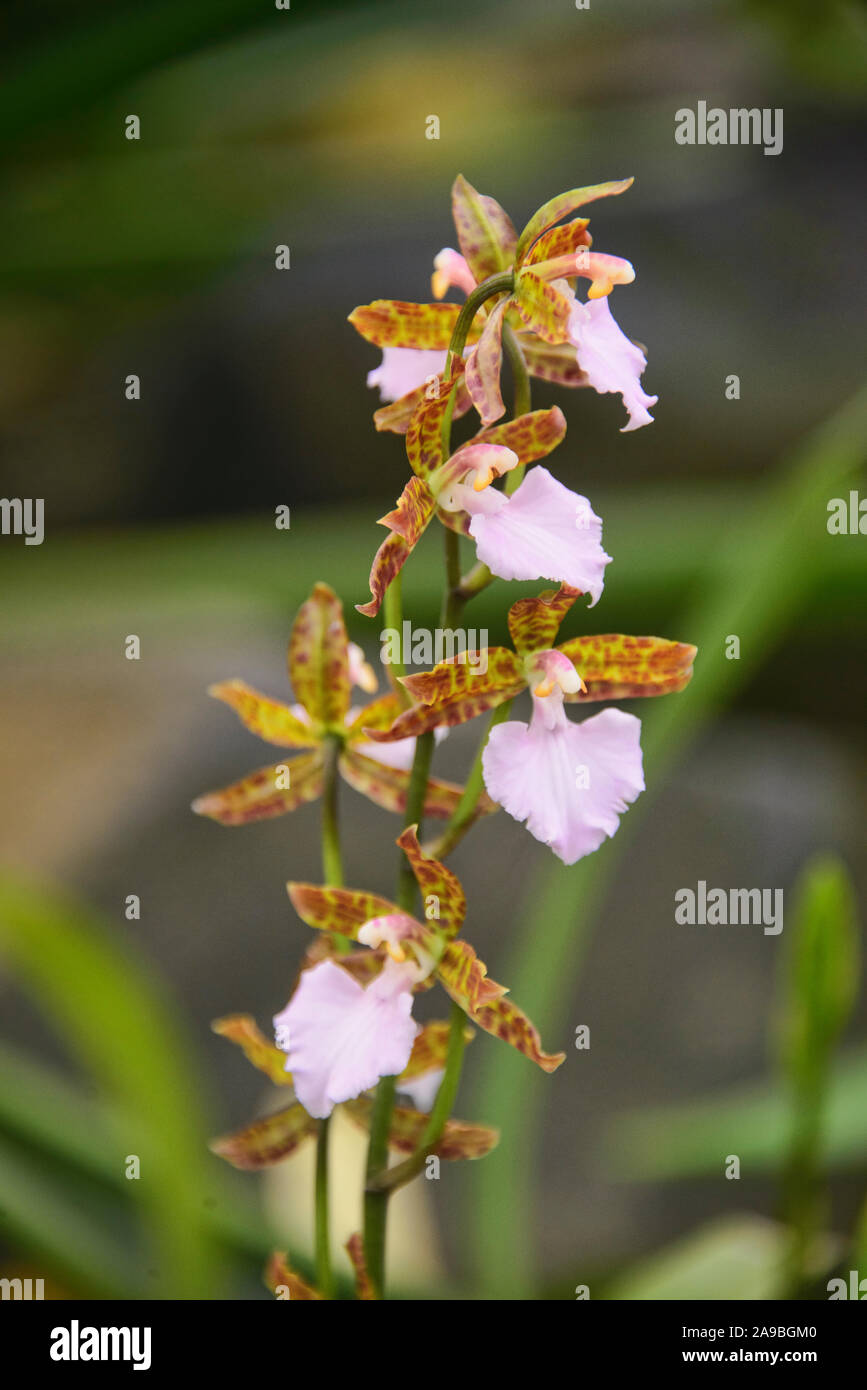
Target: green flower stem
[(502, 283), (332, 863), (324, 1276), (388, 1179), (378, 1185), (376, 1202), (522, 401), (393, 618), (462, 816), (332, 869)]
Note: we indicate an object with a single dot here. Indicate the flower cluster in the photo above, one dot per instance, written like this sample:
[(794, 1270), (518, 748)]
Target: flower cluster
[(347, 1036)]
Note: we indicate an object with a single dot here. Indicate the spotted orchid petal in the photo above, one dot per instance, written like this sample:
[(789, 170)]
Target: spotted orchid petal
[(398, 323), (272, 791), (243, 1030), (571, 782), (397, 417), (424, 436), (270, 719), (319, 657), (532, 436), (441, 892), (615, 667), (535, 622), (610, 360), (453, 692), (458, 1140), (557, 208), (266, 1141), (552, 362), (466, 979), (559, 241), (388, 786), (484, 364), (340, 1038), (542, 531), (485, 233), (544, 306)]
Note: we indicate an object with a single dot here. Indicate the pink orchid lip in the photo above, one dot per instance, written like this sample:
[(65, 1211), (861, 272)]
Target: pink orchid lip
[(610, 360), (340, 1037), (532, 771)]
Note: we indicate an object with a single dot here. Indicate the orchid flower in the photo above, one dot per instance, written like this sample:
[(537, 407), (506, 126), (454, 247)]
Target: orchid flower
[(270, 1140), (569, 782), (323, 665), (540, 531), (559, 339)]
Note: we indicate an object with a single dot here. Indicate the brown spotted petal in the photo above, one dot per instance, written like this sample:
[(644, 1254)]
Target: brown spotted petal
[(485, 233), (553, 362), (505, 1020), (279, 1277), (266, 1141), (319, 657), (395, 323), (435, 881), (388, 562), (396, 416), (543, 307), (379, 714), (355, 1250), (614, 667), (465, 977), (458, 1140), (389, 787), (560, 241), (415, 507), (532, 436), (535, 622), (561, 206), (341, 910), (270, 719), (429, 1050), (244, 1031), (484, 365), (272, 791), (424, 437)]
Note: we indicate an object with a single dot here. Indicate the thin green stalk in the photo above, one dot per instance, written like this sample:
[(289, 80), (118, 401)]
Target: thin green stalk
[(332, 862), (388, 1179), (393, 618), (324, 1275), (502, 283), (376, 1202), (376, 1190), (522, 399), (462, 816)]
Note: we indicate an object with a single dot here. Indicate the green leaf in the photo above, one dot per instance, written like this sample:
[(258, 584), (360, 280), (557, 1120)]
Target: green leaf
[(821, 972), (104, 1003), (692, 1140), (738, 1257)]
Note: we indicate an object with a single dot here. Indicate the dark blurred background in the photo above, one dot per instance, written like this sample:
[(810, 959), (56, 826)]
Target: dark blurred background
[(156, 257)]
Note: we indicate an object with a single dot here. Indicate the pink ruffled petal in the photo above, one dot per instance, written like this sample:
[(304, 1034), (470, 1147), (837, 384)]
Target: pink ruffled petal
[(340, 1038), (403, 370), (610, 361), (570, 783), (543, 531)]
